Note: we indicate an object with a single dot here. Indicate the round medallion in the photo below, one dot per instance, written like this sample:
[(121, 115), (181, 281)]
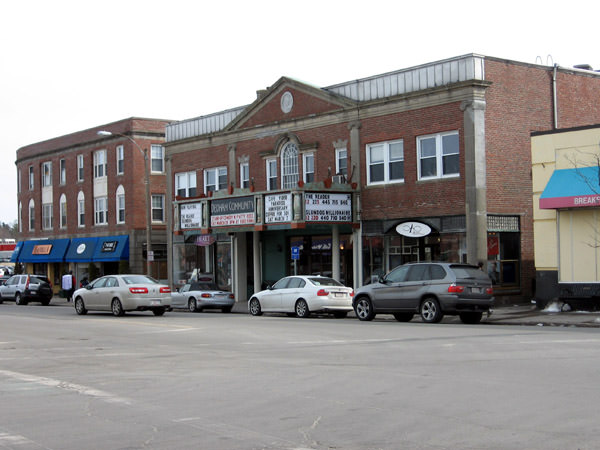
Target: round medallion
[(287, 101), (80, 248)]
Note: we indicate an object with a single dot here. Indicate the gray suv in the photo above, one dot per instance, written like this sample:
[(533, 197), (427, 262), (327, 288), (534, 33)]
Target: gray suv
[(27, 288), (431, 289)]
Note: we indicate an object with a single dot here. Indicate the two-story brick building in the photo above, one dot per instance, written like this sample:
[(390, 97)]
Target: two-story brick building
[(82, 200), (429, 162)]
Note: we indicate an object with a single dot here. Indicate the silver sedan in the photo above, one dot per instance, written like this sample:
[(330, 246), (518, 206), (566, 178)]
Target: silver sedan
[(198, 296), (120, 293)]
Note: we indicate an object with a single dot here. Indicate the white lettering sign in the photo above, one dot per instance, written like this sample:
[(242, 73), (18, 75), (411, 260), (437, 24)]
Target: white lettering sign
[(190, 215), (320, 207), (232, 219), (278, 208)]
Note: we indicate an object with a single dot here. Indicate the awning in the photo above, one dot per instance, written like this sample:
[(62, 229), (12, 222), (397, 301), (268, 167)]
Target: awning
[(111, 248), (572, 188), (16, 252), (44, 251), (81, 249)]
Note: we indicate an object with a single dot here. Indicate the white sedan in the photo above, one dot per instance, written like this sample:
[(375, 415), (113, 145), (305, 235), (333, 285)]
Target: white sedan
[(197, 296), (120, 293), (302, 295)]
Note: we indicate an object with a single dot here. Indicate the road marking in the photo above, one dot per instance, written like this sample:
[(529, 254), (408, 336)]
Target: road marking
[(65, 385), (562, 341)]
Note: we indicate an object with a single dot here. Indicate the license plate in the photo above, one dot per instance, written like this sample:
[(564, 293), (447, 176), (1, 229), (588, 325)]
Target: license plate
[(339, 294), (476, 290), (154, 302)]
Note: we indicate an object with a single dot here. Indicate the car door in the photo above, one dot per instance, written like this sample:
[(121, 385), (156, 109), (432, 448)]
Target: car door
[(386, 293), (93, 299), (8, 290), (270, 300), (180, 299), (110, 291), (291, 293)]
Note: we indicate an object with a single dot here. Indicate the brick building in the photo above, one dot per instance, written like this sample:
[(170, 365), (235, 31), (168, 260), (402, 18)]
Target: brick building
[(428, 162), (81, 199)]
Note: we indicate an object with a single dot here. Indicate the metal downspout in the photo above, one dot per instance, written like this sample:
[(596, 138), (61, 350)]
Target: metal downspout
[(554, 96)]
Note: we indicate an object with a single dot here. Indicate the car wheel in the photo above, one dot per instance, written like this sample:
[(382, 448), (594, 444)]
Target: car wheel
[(1, 299), (340, 315), (255, 308), (403, 317), (302, 310), (431, 311), (45, 302), (192, 306), (117, 307), (159, 311), (80, 306), (364, 309), (19, 300), (470, 317), (226, 310)]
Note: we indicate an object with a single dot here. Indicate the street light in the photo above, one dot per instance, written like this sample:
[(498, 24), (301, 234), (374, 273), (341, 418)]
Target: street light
[(148, 199)]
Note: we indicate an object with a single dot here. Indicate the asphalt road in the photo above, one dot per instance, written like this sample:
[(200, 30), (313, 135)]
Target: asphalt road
[(217, 381)]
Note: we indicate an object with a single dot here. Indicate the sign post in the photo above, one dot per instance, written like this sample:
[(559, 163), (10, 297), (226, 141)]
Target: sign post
[(295, 258)]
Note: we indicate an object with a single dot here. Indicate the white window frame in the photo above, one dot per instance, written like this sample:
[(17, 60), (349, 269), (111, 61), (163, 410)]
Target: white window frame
[(81, 209), (20, 217), (47, 174), (31, 179), (63, 211), (63, 172), (80, 168), (157, 154), (101, 211), (120, 153), (100, 164), (158, 208), (387, 161), (19, 181), (186, 181), (47, 212), (439, 156), (31, 215), (341, 154), (305, 172), (120, 205), (217, 172), (290, 173), (272, 174), (244, 175)]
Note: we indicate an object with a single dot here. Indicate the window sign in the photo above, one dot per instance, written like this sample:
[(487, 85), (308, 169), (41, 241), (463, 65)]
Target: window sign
[(278, 208), (109, 246), (232, 212), (321, 207), (190, 215)]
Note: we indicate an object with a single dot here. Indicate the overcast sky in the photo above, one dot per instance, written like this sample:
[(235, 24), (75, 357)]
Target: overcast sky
[(69, 65)]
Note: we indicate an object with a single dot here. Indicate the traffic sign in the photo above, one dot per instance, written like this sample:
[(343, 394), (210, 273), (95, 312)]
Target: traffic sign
[(295, 252)]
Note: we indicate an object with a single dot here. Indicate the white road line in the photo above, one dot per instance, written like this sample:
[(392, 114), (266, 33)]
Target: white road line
[(561, 341), (65, 385)]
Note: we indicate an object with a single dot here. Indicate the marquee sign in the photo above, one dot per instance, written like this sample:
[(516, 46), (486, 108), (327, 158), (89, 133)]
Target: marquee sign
[(326, 207), (190, 215), (232, 212), (278, 208)]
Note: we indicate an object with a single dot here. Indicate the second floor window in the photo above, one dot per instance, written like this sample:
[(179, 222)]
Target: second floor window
[(157, 158), (120, 160), (63, 172), (341, 162), (271, 174), (289, 166), (120, 204), (185, 184), (215, 179), (438, 156), (31, 179), (100, 164), (79, 167), (47, 174), (101, 210), (244, 175), (31, 215), (63, 211), (309, 167), (158, 208), (80, 210), (385, 162), (47, 216)]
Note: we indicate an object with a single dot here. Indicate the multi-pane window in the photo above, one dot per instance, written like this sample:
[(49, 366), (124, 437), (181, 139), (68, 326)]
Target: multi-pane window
[(31, 179), (271, 174), (20, 217), (47, 216), (31, 215), (100, 164), (63, 172), (289, 166), (341, 162), (120, 160), (47, 174), (158, 208), (120, 204), (158, 158), (185, 184), (19, 181), (438, 155), (80, 209), (215, 179), (63, 211), (244, 175), (385, 162), (101, 210), (309, 167), (79, 167)]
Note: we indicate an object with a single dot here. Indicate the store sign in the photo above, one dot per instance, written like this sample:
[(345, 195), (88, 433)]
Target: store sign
[(109, 246), (321, 207), (190, 215), (413, 229), (205, 240), (81, 248), (232, 212), (278, 208), (44, 249)]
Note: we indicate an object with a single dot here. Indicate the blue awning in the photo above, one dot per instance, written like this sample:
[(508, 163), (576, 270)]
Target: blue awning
[(44, 251), (81, 249), (112, 248), (572, 188), (16, 252)]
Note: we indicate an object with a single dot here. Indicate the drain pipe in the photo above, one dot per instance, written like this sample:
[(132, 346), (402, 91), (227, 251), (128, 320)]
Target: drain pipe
[(554, 95)]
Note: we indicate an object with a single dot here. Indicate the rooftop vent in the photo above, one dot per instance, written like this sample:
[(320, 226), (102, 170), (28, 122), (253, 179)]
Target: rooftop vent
[(583, 67)]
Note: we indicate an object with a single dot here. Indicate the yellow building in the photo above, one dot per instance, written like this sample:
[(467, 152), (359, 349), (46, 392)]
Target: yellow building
[(566, 214)]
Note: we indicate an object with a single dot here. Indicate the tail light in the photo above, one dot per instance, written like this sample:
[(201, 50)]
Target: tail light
[(138, 290), (164, 290), (322, 292), (489, 291), (205, 295), (232, 296), (27, 283), (456, 289)]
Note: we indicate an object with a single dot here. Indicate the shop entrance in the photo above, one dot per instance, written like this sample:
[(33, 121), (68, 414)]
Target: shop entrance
[(315, 256)]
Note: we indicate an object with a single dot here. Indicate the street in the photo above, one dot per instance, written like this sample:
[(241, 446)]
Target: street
[(233, 381)]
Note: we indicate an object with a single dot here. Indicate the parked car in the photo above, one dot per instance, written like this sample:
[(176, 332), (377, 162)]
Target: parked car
[(198, 296), (431, 289), (121, 293), (26, 288), (302, 295)]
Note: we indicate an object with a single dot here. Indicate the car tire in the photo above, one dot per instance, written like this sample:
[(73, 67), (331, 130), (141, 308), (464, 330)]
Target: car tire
[(363, 309), (45, 302), (192, 305), (301, 309), (226, 310), (117, 308), (80, 307), (340, 315), (1, 299), (19, 300), (470, 317), (403, 317), (430, 311), (254, 307), (159, 311)]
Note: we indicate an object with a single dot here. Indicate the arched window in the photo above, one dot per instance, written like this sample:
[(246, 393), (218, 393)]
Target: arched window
[(80, 209), (31, 215), (120, 204), (63, 211), (289, 166)]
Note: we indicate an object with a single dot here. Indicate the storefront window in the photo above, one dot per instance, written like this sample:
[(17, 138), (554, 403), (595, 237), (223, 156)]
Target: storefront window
[(503, 264)]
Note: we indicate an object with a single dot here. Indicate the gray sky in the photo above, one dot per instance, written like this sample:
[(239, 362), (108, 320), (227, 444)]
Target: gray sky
[(68, 65)]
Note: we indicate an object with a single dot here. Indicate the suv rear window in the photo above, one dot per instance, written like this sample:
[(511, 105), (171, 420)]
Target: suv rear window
[(469, 272), (38, 280)]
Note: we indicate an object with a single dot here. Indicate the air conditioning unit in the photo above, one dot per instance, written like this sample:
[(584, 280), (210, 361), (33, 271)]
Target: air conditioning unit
[(339, 179)]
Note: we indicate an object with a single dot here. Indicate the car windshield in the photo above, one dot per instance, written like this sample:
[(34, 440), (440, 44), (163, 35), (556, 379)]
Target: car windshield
[(204, 287), (138, 279), (323, 281)]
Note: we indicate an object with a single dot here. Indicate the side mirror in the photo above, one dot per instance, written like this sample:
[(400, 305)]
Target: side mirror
[(88, 287), (269, 287), (381, 280)]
